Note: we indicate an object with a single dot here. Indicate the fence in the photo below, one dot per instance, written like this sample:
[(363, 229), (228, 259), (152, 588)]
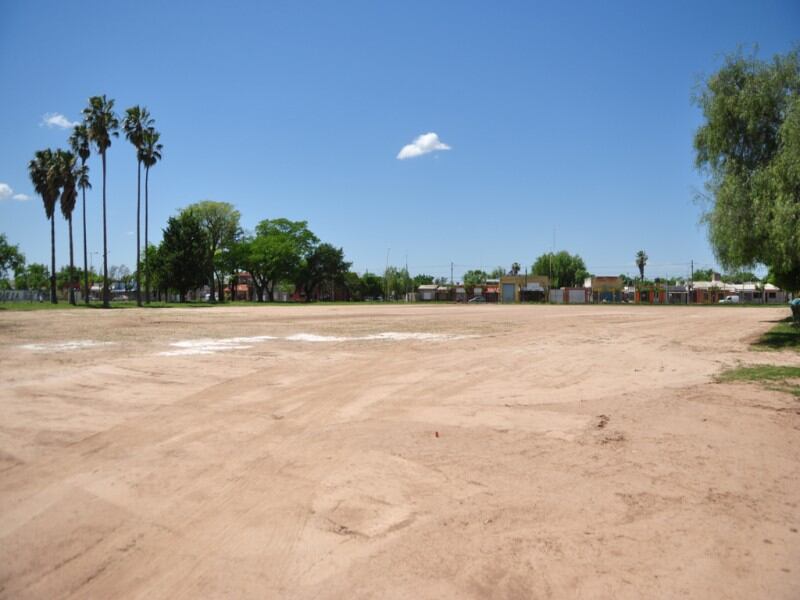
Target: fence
[(22, 296)]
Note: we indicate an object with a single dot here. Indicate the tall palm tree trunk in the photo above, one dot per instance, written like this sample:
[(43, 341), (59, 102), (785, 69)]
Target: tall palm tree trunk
[(53, 296), (147, 267), (71, 266), (138, 234), (106, 299), (85, 255)]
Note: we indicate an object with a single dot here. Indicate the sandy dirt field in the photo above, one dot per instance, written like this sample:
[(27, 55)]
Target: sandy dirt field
[(395, 452)]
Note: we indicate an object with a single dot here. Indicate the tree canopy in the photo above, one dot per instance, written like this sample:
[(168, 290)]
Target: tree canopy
[(475, 277), (11, 259), (277, 252), (220, 221), (34, 276), (183, 254), (497, 272), (324, 266), (749, 147), (563, 268)]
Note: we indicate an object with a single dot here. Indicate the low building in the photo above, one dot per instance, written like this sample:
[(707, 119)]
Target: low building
[(427, 292), (676, 294), (518, 288), (604, 288), (569, 295), (774, 295), (576, 295), (711, 292), (444, 293)]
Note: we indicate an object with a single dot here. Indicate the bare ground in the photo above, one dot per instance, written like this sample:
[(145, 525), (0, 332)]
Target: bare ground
[(564, 452)]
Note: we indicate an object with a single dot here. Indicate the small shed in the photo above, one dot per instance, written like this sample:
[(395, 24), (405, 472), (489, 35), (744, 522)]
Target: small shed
[(427, 293)]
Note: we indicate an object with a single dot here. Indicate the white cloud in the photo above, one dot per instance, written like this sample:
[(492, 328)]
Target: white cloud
[(7, 192), (427, 142), (57, 120)]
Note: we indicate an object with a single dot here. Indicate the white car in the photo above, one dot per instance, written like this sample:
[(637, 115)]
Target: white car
[(730, 300)]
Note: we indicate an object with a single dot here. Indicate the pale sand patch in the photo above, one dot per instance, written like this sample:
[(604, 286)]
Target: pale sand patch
[(212, 346), (63, 346)]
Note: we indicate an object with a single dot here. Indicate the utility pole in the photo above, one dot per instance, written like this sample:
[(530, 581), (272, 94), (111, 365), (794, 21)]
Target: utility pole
[(408, 278), (452, 282), (691, 282)]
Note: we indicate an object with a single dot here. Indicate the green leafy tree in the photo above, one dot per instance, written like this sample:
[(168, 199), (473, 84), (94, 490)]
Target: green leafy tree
[(397, 282), (35, 277), (748, 147), (372, 285), (276, 253), (43, 173), (65, 276), (230, 260), (475, 277), (11, 259), (102, 124), (497, 272), (703, 274), (154, 268), (325, 265), (81, 146), (149, 154), (220, 220), (626, 280), (421, 279), (183, 254), (741, 277), (352, 283), (137, 121), (563, 268), (641, 261)]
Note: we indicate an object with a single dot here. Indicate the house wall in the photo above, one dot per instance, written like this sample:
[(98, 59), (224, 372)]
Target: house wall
[(519, 282)]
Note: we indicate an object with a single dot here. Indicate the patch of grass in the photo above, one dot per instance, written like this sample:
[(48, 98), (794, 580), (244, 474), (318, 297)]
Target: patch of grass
[(784, 335), (782, 379), (29, 306)]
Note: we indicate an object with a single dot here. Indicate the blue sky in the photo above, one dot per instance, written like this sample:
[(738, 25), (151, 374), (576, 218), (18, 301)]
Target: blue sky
[(573, 119)]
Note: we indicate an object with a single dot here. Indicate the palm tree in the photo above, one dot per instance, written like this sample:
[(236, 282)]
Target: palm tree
[(43, 176), (83, 183), (641, 261), (67, 169), (103, 125), (149, 155), (137, 121), (79, 142)]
